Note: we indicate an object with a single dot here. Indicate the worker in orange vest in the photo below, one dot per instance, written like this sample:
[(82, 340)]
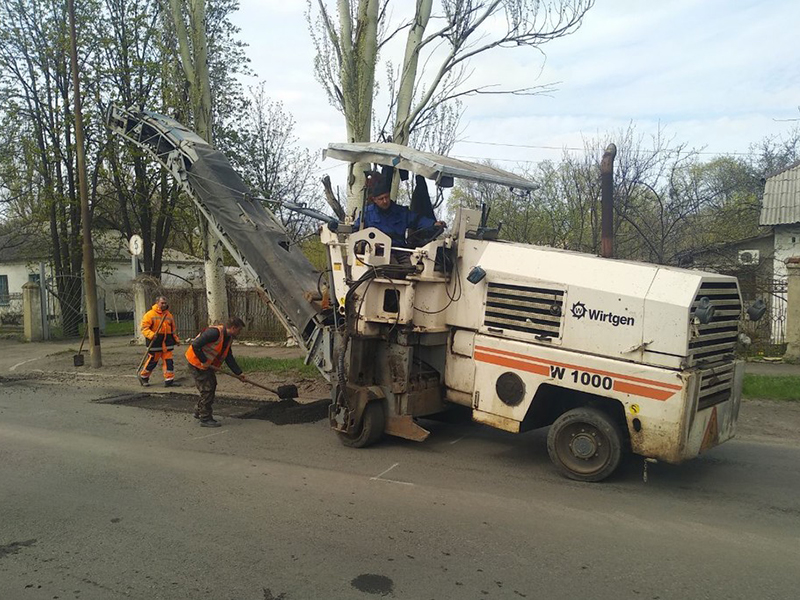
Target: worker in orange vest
[(206, 354), (158, 327)]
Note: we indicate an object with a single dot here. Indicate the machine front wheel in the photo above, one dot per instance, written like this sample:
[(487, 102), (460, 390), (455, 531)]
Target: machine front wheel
[(585, 444), (373, 423)]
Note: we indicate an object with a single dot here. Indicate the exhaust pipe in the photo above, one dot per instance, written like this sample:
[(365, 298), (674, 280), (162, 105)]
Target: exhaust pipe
[(607, 201)]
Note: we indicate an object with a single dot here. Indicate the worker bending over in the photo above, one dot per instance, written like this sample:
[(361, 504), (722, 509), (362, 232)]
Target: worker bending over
[(206, 355)]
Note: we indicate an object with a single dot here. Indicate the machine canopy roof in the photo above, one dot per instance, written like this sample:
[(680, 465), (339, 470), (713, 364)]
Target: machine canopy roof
[(429, 165)]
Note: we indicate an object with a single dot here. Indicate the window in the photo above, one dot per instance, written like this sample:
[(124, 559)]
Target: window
[(33, 278), (4, 290)]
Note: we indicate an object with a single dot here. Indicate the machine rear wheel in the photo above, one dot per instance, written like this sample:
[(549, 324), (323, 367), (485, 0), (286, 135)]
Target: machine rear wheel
[(585, 444), (373, 423)]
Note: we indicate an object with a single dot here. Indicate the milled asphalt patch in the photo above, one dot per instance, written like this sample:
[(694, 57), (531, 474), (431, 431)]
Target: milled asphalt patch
[(283, 412), (290, 412)]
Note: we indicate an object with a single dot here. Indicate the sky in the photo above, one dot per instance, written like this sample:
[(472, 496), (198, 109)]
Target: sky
[(717, 75)]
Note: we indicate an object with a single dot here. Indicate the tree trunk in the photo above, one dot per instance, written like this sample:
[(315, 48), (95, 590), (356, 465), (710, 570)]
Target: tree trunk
[(214, 264), (359, 55), (408, 76), (195, 67), (216, 294)]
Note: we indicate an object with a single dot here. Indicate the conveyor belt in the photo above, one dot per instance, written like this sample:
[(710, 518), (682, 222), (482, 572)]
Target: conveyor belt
[(251, 233)]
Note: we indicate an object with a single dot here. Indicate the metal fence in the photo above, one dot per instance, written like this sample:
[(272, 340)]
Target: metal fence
[(65, 306), (11, 313), (768, 335)]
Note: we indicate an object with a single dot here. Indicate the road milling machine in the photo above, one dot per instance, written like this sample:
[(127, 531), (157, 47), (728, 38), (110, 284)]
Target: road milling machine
[(612, 355)]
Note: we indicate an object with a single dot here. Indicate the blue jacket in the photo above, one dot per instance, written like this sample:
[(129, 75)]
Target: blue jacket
[(393, 222)]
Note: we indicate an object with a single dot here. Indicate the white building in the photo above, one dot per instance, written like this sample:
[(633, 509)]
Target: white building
[(781, 210), (21, 261)]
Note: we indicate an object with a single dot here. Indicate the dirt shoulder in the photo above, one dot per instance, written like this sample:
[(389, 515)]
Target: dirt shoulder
[(772, 421), (120, 360), (759, 420)]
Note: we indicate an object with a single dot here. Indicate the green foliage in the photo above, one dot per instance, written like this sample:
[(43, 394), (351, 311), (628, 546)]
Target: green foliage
[(127, 52), (667, 201), (278, 366), (266, 153), (767, 387), (112, 328), (316, 253)]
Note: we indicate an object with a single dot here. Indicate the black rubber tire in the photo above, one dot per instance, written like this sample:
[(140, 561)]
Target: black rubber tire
[(585, 444), (373, 423)]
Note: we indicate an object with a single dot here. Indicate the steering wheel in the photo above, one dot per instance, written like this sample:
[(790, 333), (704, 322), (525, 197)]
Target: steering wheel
[(424, 236)]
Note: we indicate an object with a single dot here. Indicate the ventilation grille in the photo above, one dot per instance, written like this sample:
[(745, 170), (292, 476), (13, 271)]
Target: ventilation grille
[(537, 311), (716, 341), (716, 386)]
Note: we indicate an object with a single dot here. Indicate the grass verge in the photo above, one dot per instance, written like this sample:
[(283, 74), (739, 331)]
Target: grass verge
[(279, 366), (768, 387)]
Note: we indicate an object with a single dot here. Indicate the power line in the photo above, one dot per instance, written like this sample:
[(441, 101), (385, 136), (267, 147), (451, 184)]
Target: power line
[(329, 167), (534, 147), (513, 160), (317, 172)]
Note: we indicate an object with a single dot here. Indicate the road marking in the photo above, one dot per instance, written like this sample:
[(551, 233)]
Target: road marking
[(209, 435), (19, 364), (458, 440), (380, 477), (392, 481), (385, 472)]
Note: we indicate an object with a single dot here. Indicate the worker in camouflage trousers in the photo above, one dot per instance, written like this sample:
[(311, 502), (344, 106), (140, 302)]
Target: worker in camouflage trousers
[(206, 354), (158, 327)]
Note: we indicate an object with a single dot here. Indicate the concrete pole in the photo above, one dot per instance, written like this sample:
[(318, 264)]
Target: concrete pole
[(43, 302), (141, 304), (89, 275), (793, 311), (32, 312)]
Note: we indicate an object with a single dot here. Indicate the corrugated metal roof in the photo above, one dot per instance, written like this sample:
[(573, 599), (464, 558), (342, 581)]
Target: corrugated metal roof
[(781, 204), (429, 165)]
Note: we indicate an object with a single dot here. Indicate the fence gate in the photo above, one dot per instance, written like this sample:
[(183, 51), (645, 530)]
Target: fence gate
[(769, 334), (778, 295), (65, 310)]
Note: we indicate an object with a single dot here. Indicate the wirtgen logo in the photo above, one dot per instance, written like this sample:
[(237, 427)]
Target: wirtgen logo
[(579, 311)]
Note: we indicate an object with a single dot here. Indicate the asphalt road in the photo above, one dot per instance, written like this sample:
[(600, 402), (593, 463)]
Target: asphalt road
[(100, 501)]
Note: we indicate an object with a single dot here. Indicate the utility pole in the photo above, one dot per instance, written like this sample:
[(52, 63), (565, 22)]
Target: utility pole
[(89, 276)]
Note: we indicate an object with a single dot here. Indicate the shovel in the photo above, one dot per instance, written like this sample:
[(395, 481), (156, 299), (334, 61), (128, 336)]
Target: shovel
[(77, 359), (284, 392)]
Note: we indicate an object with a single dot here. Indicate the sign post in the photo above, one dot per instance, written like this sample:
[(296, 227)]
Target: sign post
[(136, 248)]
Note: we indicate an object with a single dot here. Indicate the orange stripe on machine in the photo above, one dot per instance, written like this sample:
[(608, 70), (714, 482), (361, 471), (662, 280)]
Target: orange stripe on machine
[(626, 384), (512, 363), (640, 390)]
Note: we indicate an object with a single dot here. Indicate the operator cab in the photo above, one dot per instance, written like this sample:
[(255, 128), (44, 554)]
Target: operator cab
[(423, 244)]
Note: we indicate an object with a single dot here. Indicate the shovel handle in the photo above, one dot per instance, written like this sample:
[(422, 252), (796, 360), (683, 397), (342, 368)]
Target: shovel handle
[(83, 340), (258, 385)]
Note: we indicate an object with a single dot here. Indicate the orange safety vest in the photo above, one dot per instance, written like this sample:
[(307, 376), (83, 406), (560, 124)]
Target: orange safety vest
[(155, 320), (214, 351)]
